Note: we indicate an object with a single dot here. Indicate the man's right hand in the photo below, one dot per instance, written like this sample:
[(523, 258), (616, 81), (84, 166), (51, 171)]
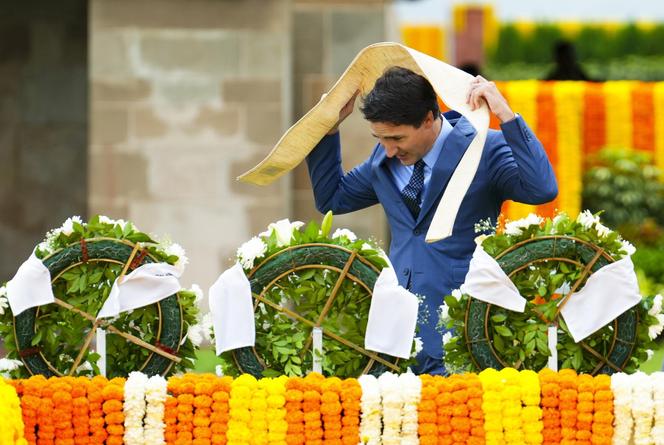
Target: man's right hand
[(346, 111)]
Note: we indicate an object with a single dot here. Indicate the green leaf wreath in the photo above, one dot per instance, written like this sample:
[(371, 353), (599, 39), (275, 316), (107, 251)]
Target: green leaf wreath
[(521, 338), (59, 332), (280, 339)]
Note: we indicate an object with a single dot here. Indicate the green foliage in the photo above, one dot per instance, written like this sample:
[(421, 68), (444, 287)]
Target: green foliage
[(60, 333), (626, 186), (281, 339), (520, 339)]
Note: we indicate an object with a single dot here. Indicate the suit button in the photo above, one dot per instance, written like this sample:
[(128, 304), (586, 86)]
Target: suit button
[(406, 271), (417, 232)]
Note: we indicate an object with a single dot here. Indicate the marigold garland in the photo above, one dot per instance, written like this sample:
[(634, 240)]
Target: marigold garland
[(313, 425), (11, 432), (568, 406), (602, 428), (113, 395), (351, 393), (550, 397), (427, 413), (295, 388), (330, 409), (220, 410), (370, 425), (242, 390)]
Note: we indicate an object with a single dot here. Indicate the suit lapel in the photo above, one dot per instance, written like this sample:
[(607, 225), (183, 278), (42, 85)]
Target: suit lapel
[(453, 150), (382, 171)]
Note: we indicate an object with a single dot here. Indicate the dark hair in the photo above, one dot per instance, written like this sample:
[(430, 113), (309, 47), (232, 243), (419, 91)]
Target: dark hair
[(400, 97)]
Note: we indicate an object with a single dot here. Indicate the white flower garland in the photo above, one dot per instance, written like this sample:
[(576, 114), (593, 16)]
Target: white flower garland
[(657, 379), (642, 408), (622, 408), (134, 408), (370, 405), (411, 387), (155, 397), (390, 393)]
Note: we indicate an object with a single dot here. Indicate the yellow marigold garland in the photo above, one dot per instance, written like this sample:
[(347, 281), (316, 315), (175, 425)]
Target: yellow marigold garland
[(11, 432), (277, 425), (492, 405), (531, 415), (242, 390)]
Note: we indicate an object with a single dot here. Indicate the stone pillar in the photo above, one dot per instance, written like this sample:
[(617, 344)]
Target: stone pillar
[(185, 97), (43, 122), (327, 36)]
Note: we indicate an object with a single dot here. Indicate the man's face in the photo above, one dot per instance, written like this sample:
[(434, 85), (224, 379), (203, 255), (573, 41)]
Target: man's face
[(407, 143)]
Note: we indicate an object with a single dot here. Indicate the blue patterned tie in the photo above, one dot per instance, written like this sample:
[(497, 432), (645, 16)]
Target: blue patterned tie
[(412, 192)]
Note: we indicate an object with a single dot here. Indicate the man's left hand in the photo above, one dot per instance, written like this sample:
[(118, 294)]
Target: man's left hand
[(482, 89)]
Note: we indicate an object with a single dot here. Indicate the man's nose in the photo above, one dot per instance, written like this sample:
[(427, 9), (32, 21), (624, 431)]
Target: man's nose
[(391, 150)]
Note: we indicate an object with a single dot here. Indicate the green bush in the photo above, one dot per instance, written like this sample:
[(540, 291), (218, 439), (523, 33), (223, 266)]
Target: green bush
[(626, 186)]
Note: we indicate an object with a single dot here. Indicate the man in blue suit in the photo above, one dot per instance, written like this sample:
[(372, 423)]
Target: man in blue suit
[(407, 172)]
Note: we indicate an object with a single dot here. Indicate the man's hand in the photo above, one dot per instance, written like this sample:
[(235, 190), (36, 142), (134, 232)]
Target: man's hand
[(482, 89), (346, 111)]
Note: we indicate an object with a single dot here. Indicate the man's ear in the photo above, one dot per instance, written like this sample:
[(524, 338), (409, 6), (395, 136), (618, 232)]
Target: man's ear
[(429, 120)]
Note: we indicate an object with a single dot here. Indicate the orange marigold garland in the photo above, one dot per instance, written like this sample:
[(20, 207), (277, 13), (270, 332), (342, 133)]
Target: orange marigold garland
[(30, 403), (95, 406), (219, 416), (602, 428), (444, 410), (313, 426), (351, 393), (294, 413), (46, 423), (113, 395), (550, 389), (460, 420), (427, 415), (474, 403), (203, 392), (81, 410), (568, 406), (330, 409), (584, 408)]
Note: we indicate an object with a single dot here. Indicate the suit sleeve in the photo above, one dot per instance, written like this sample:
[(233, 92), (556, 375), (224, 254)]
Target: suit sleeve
[(519, 167), (334, 190)]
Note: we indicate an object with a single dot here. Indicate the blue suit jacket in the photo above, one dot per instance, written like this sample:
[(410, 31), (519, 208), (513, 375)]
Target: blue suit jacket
[(513, 166)]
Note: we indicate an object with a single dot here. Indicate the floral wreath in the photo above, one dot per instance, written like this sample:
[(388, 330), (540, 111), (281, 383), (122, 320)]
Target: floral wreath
[(84, 260), (301, 277), (520, 340)]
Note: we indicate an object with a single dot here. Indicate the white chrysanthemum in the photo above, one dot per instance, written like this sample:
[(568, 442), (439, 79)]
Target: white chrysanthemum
[(177, 250), (195, 334), (45, 247), (344, 232), (628, 248), (587, 219), (649, 353), (134, 408), (411, 388), (654, 310), (68, 226), (106, 220), (196, 289), (656, 329), (560, 217), (447, 336), (250, 250), (602, 230), (370, 404), (155, 397), (391, 395), (456, 293), (444, 313), (283, 229), (516, 228), (418, 346), (8, 365), (4, 303)]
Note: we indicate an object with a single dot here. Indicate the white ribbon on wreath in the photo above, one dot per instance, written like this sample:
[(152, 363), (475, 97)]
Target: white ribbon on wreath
[(607, 294)]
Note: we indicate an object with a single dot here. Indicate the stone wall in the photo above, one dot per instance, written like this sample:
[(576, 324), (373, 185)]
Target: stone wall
[(185, 96), (43, 122), (327, 35)]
